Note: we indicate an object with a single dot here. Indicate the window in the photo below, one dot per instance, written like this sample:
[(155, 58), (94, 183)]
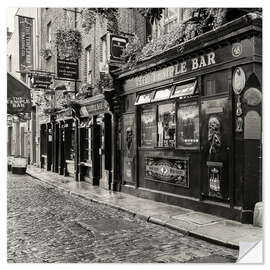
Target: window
[(162, 94), (188, 133), (86, 144), (144, 98), (49, 32), (166, 125), (148, 127), (170, 19), (216, 83), (184, 89), (88, 65)]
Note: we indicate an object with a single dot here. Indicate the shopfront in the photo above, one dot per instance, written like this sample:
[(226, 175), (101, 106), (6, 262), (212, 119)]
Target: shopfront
[(64, 143), (45, 141), (190, 130), (95, 147)]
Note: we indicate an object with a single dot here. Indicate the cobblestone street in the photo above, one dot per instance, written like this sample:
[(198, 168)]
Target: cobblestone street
[(47, 225)]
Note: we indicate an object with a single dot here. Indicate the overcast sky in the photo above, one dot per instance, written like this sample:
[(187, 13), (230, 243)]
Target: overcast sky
[(10, 18)]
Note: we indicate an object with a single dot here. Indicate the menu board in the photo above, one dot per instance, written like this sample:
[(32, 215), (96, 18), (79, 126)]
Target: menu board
[(188, 125), (148, 127)]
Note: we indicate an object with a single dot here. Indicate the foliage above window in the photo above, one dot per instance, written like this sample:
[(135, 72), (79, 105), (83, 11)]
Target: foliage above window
[(203, 20), (46, 53), (152, 14), (89, 16), (68, 43)]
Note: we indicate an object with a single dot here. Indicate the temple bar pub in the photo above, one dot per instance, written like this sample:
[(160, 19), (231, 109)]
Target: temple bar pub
[(190, 128)]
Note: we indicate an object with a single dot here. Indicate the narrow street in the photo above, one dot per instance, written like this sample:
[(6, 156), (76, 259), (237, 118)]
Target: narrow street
[(47, 225)]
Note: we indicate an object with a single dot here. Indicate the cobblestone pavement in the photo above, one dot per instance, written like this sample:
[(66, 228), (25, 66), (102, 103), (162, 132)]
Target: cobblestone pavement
[(47, 225)]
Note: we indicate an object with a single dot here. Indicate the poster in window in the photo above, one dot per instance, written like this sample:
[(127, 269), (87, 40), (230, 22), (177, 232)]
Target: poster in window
[(148, 127), (188, 125), (166, 125)]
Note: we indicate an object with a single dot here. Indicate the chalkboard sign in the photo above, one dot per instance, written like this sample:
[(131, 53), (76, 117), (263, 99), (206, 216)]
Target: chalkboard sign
[(148, 127)]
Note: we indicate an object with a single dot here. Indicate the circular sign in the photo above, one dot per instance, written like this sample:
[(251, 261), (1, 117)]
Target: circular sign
[(236, 49), (252, 96), (239, 80)]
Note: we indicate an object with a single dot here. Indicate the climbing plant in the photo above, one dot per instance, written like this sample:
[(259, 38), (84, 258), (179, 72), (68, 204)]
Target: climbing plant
[(89, 16), (68, 43)]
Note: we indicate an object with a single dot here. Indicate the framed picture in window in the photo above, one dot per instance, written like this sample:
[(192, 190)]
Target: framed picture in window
[(188, 132), (148, 127)]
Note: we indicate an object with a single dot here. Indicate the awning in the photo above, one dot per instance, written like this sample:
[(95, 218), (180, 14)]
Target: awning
[(18, 96)]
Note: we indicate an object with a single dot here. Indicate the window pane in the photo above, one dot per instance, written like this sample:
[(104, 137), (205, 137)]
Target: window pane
[(188, 125), (166, 125), (144, 98), (162, 94), (148, 127), (184, 89)]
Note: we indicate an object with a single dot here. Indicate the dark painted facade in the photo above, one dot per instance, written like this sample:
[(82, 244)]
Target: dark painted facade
[(189, 133)]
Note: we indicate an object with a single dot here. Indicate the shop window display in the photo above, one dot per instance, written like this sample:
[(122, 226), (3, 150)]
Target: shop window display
[(166, 125), (188, 125), (148, 127)]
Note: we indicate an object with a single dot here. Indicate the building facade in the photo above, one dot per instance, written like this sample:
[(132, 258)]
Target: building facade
[(191, 121), (178, 119), (22, 136)]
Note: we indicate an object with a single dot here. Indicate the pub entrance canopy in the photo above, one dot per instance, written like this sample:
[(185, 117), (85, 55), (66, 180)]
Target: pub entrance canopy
[(18, 96)]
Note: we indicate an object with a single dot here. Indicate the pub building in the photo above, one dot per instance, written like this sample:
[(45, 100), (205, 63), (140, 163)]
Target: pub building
[(95, 137), (190, 129)]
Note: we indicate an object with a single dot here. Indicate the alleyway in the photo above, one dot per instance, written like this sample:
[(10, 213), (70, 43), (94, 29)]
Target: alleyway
[(47, 225)]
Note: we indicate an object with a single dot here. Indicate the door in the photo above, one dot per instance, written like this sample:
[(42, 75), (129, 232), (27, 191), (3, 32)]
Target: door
[(96, 155), (216, 142)]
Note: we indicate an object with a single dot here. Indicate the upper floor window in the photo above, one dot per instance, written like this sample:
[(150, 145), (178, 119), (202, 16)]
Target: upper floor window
[(88, 65), (170, 19), (49, 32)]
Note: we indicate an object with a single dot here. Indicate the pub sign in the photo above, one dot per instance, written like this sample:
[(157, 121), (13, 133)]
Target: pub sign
[(25, 43), (67, 69)]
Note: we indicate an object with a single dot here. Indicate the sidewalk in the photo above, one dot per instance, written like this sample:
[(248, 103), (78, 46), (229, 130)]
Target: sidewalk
[(208, 227)]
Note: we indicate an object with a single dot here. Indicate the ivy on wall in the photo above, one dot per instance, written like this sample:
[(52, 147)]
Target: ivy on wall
[(202, 20), (89, 16), (68, 43)]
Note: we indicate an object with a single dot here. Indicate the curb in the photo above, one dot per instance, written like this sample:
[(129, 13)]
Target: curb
[(143, 217)]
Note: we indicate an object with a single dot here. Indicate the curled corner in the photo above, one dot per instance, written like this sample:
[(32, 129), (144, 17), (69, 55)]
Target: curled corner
[(250, 252)]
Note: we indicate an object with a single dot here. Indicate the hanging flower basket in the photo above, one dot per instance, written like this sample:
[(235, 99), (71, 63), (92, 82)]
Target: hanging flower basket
[(46, 53), (68, 44)]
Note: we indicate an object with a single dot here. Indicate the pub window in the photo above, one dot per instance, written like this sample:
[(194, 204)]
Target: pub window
[(148, 127), (216, 83), (144, 98), (161, 94), (184, 89), (166, 125), (86, 144), (188, 134)]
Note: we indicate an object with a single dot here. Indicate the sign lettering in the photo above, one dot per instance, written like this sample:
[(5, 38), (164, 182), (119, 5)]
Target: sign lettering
[(25, 43)]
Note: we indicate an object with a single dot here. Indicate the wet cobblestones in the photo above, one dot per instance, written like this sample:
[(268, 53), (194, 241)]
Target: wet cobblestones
[(47, 225)]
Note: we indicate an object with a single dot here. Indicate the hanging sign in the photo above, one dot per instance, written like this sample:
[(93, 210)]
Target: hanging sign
[(67, 69), (25, 43), (252, 97), (41, 81), (118, 44), (18, 96), (239, 80)]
